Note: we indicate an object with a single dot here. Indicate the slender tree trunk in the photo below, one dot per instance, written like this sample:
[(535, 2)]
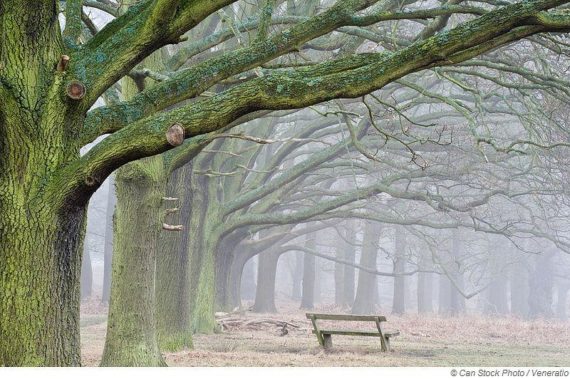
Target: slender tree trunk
[(308, 296), (562, 302), (203, 320), (248, 283), (318, 281), (339, 272), (108, 252), (367, 290), (86, 275), (232, 297), (349, 271), (131, 330), (425, 286), (457, 301), (399, 298), (265, 291), (520, 290), (541, 285), (238, 282), (296, 290), (497, 299), (227, 288), (195, 233), (444, 295), (497, 296)]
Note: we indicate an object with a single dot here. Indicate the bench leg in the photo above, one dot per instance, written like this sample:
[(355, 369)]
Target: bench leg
[(327, 341), (388, 344)]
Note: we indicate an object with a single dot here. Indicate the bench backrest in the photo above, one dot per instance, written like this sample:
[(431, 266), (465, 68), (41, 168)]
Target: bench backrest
[(337, 317)]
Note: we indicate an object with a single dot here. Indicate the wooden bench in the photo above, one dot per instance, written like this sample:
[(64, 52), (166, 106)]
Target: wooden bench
[(325, 335)]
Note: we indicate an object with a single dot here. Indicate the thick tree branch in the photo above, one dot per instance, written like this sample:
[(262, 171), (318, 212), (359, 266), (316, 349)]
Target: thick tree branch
[(350, 77), (72, 31), (130, 38)]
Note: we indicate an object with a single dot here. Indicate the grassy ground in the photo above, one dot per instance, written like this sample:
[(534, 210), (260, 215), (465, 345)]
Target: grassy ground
[(424, 341)]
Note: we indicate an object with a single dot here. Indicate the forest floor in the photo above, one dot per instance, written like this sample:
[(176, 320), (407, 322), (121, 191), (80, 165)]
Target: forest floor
[(254, 340)]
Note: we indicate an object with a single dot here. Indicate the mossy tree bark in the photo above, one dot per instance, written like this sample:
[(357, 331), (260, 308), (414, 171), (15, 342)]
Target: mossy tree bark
[(203, 320), (39, 281), (45, 184), (172, 294), (131, 338), (108, 252), (204, 237), (131, 330), (41, 230)]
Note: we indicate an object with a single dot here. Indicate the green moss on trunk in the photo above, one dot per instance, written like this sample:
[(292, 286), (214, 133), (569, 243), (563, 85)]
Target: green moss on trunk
[(131, 330), (171, 280)]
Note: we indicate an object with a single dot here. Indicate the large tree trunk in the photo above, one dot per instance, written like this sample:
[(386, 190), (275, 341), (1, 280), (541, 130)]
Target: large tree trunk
[(108, 252), (265, 290), (203, 320), (172, 311), (40, 267), (203, 241), (41, 229), (131, 330), (131, 327), (367, 291)]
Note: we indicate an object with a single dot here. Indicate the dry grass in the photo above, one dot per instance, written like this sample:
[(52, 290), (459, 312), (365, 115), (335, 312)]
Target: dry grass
[(424, 341)]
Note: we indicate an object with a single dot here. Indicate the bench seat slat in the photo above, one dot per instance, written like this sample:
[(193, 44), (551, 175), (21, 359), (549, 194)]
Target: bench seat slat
[(391, 334), (326, 316), (371, 333)]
